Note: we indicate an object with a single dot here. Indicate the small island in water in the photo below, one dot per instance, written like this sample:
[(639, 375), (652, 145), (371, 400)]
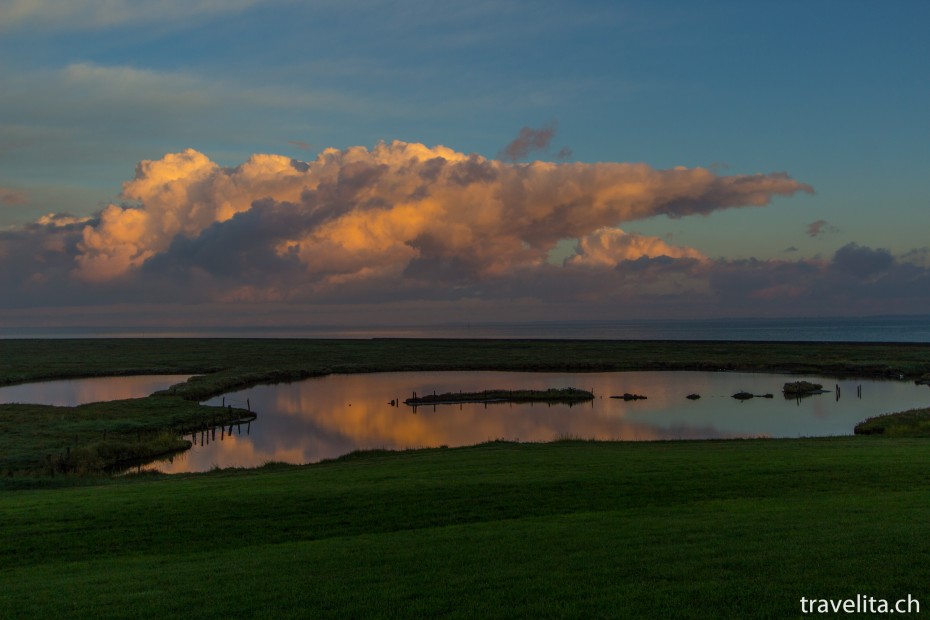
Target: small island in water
[(552, 395), (802, 388)]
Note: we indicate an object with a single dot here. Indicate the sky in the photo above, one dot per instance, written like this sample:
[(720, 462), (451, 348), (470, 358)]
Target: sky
[(275, 162)]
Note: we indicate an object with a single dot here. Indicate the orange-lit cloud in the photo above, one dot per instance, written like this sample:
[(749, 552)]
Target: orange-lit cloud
[(429, 231), (608, 246), (402, 210)]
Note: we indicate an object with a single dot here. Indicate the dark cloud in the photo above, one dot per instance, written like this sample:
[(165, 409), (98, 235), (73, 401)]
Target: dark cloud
[(431, 168), (528, 141), (820, 228), (239, 250), (862, 262), (36, 264), (300, 166), (475, 169), (717, 192)]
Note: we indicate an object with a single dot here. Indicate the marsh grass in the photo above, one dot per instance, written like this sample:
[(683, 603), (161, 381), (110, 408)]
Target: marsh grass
[(233, 363), (911, 423), (44, 440)]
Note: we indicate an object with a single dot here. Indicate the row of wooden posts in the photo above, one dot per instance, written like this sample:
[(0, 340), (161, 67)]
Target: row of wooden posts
[(858, 391)]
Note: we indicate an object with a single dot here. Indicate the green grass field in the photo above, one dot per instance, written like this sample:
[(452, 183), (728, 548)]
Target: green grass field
[(692, 529), (709, 529)]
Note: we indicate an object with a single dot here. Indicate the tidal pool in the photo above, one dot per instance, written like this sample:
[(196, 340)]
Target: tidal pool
[(327, 417), (73, 392)]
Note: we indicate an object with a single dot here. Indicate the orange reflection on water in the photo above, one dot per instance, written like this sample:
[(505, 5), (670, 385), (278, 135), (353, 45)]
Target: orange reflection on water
[(72, 392), (331, 416), (237, 451)]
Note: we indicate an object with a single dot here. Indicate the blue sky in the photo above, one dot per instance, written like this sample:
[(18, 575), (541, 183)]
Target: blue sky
[(835, 94)]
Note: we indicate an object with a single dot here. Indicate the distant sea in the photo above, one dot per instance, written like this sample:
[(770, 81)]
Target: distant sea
[(864, 329)]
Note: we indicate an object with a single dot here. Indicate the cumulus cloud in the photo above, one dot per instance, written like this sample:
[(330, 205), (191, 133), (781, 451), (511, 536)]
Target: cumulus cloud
[(862, 262), (407, 226), (610, 246), (399, 211), (36, 260), (820, 228)]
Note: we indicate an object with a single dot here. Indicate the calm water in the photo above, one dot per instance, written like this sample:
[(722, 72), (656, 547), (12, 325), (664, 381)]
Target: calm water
[(330, 416), (72, 392)]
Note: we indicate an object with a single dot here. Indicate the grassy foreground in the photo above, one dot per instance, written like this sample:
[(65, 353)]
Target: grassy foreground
[(702, 529)]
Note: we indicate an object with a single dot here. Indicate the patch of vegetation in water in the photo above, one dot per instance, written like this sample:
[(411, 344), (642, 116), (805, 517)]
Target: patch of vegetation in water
[(747, 395), (552, 395), (628, 396), (795, 388)]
